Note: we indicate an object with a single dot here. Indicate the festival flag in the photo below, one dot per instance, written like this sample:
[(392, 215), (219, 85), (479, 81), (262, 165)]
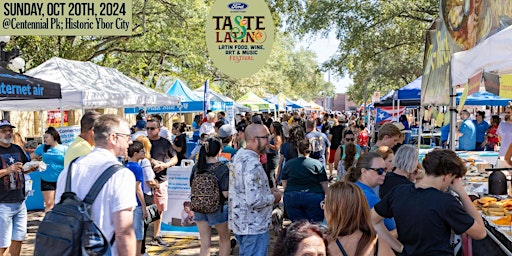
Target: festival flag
[(492, 83), (506, 86), (474, 83), (206, 100), (385, 114)]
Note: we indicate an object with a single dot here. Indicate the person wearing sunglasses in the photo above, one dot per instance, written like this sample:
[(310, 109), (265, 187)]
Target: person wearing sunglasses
[(370, 172), (341, 153), (425, 213)]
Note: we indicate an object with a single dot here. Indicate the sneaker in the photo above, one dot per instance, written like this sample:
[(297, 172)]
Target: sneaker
[(158, 241)]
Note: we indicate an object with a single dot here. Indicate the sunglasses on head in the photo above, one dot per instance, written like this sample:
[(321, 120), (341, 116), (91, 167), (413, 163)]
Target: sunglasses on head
[(379, 171)]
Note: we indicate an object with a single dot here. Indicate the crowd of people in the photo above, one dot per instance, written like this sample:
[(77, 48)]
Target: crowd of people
[(343, 194)]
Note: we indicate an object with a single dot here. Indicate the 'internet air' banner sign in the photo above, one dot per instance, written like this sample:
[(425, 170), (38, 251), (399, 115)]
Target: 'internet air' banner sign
[(66, 17), (239, 36)]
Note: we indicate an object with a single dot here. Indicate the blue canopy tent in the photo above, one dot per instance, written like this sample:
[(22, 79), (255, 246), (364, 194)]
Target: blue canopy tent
[(190, 102), (484, 98), (412, 91)]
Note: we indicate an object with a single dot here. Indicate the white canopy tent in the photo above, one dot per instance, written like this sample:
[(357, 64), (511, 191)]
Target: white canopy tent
[(88, 85), (492, 55)]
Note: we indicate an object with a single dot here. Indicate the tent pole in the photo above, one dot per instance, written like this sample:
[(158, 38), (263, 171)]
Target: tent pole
[(398, 111)]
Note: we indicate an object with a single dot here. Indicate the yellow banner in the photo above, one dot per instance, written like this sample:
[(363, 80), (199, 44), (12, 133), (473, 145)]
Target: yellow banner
[(66, 17), (506, 86), (463, 98), (440, 119)]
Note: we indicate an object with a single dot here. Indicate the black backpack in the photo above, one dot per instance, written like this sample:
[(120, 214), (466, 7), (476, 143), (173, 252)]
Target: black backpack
[(68, 229)]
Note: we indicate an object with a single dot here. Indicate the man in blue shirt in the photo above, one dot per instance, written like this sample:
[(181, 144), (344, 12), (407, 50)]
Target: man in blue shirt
[(466, 132), (481, 127)]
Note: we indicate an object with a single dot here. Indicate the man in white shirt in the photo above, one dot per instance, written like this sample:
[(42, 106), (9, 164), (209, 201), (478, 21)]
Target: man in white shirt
[(208, 127), (112, 210)]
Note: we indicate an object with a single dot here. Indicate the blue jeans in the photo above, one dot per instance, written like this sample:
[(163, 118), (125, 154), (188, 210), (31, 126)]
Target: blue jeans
[(253, 245), (13, 223), (304, 205)]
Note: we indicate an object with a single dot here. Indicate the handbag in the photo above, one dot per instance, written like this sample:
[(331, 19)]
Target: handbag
[(152, 214)]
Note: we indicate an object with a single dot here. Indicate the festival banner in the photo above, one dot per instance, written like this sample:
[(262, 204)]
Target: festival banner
[(178, 219), (506, 86), (471, 22), (435, 82), (474, 83), (492, 83), (463, 98), (239, 36)]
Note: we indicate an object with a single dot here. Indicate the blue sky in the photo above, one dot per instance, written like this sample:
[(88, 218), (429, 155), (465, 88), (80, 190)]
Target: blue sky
[(324, 48)]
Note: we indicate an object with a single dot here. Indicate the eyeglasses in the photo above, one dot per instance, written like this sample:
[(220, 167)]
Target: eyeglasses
[(322, 205), (128, 137), (151, 128), (349, 139), (262, 137), (379, 171)]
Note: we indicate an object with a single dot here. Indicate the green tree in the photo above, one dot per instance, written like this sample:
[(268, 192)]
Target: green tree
[(382, 42), (168, 40)]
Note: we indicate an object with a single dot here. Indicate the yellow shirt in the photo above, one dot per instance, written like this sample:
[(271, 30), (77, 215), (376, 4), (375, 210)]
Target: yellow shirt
[(79, 147)]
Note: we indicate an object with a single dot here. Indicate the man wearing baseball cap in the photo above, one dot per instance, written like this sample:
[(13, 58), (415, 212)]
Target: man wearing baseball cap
[(226, 133), (13, 211)]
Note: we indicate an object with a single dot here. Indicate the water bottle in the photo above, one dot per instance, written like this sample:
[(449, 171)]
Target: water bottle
[(432, 143)]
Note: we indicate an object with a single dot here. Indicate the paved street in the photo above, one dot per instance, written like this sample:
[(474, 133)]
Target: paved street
[(180, 246)]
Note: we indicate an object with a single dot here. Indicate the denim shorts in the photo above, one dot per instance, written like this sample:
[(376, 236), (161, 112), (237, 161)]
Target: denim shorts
[(138, 223), (214, 218), (13, 223)]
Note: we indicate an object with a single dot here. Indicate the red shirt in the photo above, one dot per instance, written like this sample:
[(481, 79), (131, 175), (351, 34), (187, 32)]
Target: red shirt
[(362, 138), (492, 137)]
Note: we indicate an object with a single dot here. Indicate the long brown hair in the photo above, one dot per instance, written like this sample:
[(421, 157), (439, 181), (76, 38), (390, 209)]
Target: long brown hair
[(350, 155), (364, 161), (349, 212)]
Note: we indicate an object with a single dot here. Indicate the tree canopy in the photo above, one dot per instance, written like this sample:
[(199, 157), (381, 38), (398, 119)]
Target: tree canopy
[(381, 42), (168, 40)]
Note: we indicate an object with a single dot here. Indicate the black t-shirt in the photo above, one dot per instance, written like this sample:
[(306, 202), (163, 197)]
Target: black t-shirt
[(12, 186), (424, 218), (161, 150), (336, 132), (181, 142), (392, 180)]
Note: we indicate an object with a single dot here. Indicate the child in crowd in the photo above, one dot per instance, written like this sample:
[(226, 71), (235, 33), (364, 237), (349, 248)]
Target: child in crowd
[(135, 153)]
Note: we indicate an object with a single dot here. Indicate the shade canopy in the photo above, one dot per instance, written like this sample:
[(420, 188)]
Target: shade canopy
[(411, 91), (189, 101), (88, 85), (484, 99), (255, 103), (14, 86)]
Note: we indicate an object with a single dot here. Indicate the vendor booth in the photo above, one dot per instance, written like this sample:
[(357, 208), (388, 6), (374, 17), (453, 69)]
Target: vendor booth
[(88, 85), (461, 54), (256, 103), (189, 102)]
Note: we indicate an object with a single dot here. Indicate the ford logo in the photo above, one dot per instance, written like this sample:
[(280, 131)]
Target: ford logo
[(237, 6)]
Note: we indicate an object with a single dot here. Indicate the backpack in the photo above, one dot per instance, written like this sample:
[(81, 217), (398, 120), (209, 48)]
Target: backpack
[(68, 228), (317, 147), (205, 196)]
